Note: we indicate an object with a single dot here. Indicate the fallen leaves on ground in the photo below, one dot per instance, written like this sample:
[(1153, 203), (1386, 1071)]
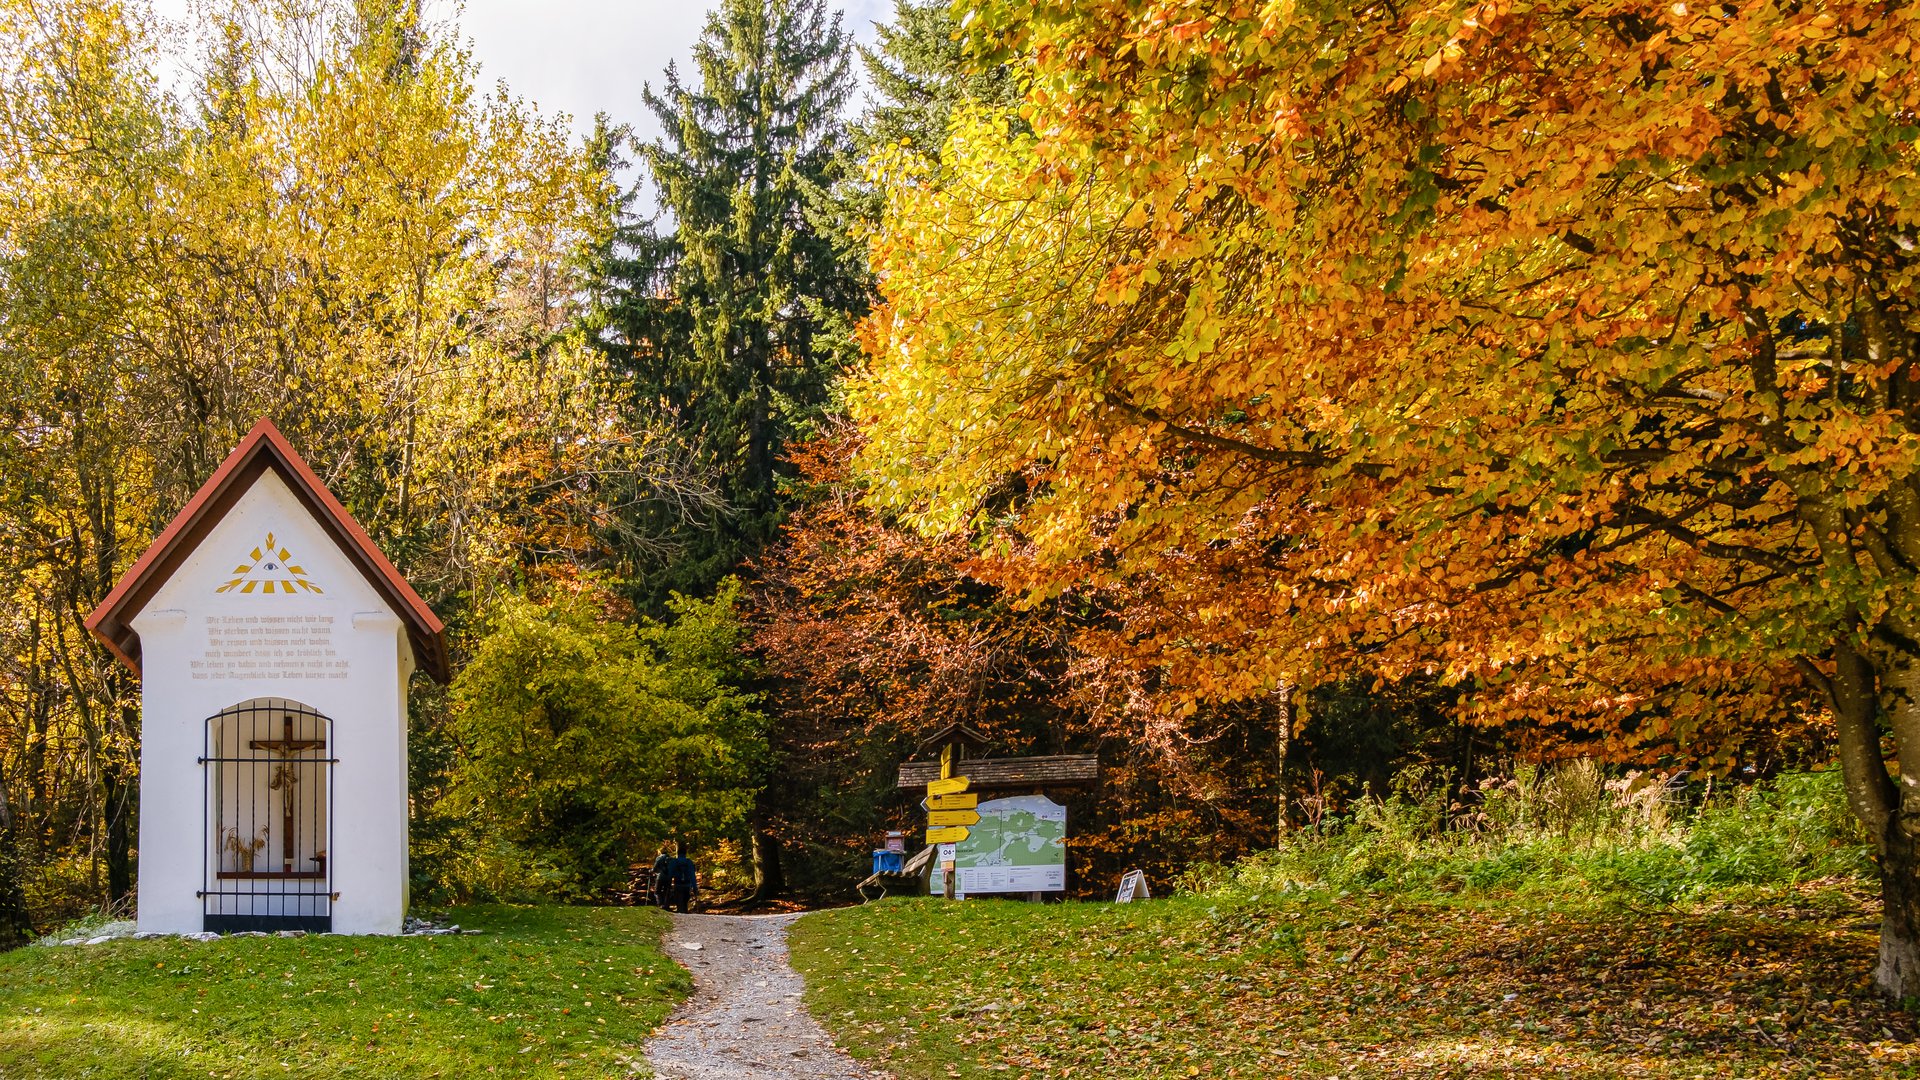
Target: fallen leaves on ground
[(1352, 987)]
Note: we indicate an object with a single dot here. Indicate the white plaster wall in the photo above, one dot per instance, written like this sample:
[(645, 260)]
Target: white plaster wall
[(368, 846)]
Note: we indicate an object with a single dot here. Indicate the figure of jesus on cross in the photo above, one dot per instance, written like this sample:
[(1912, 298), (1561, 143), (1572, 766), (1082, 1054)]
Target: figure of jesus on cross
[(285, 776)]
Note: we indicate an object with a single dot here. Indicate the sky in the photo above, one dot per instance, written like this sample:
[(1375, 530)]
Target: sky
[(583, 56), (587, 56)]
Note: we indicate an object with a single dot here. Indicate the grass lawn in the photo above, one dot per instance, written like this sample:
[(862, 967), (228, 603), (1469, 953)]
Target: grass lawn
[(1353, 987), (544, 992)]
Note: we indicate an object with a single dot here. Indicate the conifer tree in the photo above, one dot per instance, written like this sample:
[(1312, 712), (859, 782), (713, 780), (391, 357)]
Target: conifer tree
[(718, 311), (921, 72)]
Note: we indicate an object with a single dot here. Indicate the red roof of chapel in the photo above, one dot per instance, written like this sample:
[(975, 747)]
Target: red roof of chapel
[(264, 448)]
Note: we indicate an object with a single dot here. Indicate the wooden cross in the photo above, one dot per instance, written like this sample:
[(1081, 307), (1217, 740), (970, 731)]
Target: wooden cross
[(285, 777)]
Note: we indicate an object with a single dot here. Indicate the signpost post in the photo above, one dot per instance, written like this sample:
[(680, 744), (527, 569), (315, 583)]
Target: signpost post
[(947, 833)]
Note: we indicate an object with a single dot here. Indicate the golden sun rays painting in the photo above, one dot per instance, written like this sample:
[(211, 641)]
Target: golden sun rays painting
[(268, 571)]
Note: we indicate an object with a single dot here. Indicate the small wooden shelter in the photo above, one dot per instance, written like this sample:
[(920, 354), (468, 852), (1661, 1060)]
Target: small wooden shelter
[(954, 780), (961, 745), (1057, 771)]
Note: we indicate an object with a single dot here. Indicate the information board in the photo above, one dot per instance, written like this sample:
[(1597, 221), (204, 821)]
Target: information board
[(1020, 845)]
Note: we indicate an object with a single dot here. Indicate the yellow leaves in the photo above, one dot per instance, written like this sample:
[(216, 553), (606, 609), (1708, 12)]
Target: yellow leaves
[(1254, 329), (1445, 54), (356, 254)]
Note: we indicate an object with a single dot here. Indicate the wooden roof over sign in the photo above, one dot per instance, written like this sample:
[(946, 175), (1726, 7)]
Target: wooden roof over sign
[(955, 733), (1059, 770)]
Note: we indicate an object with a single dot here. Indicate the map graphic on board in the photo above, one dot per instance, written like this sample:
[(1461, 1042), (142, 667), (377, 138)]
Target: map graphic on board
[(1020, 845)]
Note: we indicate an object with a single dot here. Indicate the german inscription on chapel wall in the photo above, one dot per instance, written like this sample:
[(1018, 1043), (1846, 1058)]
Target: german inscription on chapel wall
[(269, 647)]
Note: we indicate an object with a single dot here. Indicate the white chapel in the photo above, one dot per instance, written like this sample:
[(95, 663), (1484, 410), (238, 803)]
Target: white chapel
[(274, 645)]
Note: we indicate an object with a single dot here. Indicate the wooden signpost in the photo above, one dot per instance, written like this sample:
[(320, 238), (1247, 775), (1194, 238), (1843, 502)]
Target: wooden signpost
[(948, 827), (953, 784)]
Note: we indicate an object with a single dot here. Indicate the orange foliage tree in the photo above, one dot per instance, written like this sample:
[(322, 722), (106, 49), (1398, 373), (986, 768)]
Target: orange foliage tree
[(1563, 352), (871, 636)]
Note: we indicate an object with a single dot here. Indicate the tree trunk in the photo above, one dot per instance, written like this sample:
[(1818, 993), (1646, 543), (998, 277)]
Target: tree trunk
[(1862, 695), (1283, 738), (118, 792), (1898, 975), (768, 880), (16, 923)]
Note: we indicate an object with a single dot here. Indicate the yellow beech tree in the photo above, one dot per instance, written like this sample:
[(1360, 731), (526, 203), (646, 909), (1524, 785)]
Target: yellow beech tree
[(326, 224), (1563, 350)]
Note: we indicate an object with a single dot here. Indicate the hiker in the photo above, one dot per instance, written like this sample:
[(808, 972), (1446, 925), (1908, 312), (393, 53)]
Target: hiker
[(685, 883), (663, 874)]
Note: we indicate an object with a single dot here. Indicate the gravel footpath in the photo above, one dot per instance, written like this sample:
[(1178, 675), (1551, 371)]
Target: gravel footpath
[(744, 1020)]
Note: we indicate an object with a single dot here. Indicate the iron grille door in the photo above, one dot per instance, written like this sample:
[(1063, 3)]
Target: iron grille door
[(268, 832)]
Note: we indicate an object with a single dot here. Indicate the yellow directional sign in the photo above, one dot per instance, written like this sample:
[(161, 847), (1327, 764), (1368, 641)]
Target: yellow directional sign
[(952, 817), (952, 835), (952, 785), (952, 802)]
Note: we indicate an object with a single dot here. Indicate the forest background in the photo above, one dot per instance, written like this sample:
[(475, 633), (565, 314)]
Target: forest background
[(610, 450), (1005, 396)]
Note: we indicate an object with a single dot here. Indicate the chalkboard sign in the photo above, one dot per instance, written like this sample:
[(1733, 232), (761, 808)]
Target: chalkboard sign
[(1133, 884)]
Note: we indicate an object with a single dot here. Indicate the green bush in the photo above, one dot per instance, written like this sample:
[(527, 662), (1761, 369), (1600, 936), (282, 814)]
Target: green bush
[(63, 889), (1568, 830), (469, 865), (585, 740)]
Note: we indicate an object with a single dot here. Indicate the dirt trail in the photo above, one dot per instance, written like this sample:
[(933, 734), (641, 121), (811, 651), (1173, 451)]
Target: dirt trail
[(744, 1020)]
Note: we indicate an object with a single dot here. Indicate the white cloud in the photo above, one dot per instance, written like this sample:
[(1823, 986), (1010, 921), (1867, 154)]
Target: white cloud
[(585, 56)]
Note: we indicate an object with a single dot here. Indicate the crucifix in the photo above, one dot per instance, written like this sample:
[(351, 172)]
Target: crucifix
[(285, 776)]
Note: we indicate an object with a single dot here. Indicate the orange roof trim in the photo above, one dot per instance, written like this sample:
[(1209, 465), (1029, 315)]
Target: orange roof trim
[(264, 448)]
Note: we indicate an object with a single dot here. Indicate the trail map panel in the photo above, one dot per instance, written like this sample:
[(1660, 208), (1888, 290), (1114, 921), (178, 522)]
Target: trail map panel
[(1020, 845)]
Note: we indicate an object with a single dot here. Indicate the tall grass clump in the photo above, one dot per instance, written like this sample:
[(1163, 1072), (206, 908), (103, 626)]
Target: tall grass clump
[(1568, 829)]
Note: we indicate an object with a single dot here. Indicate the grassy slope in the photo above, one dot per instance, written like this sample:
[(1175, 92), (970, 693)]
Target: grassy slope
[(1354, 987), (544, 992)]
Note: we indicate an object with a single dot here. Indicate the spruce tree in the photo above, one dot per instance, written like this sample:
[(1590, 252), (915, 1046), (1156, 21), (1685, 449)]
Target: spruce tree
[(718, 310), (921, 72)]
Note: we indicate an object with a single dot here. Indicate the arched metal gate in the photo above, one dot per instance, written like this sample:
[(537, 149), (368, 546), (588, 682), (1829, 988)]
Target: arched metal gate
[(268, 818)]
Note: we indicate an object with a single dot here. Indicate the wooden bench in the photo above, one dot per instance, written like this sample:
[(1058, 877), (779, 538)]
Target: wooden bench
[(915, 869)]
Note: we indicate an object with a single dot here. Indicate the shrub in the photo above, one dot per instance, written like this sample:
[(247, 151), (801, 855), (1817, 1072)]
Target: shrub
[(1567, 830), (586, 740), (61, 890)]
